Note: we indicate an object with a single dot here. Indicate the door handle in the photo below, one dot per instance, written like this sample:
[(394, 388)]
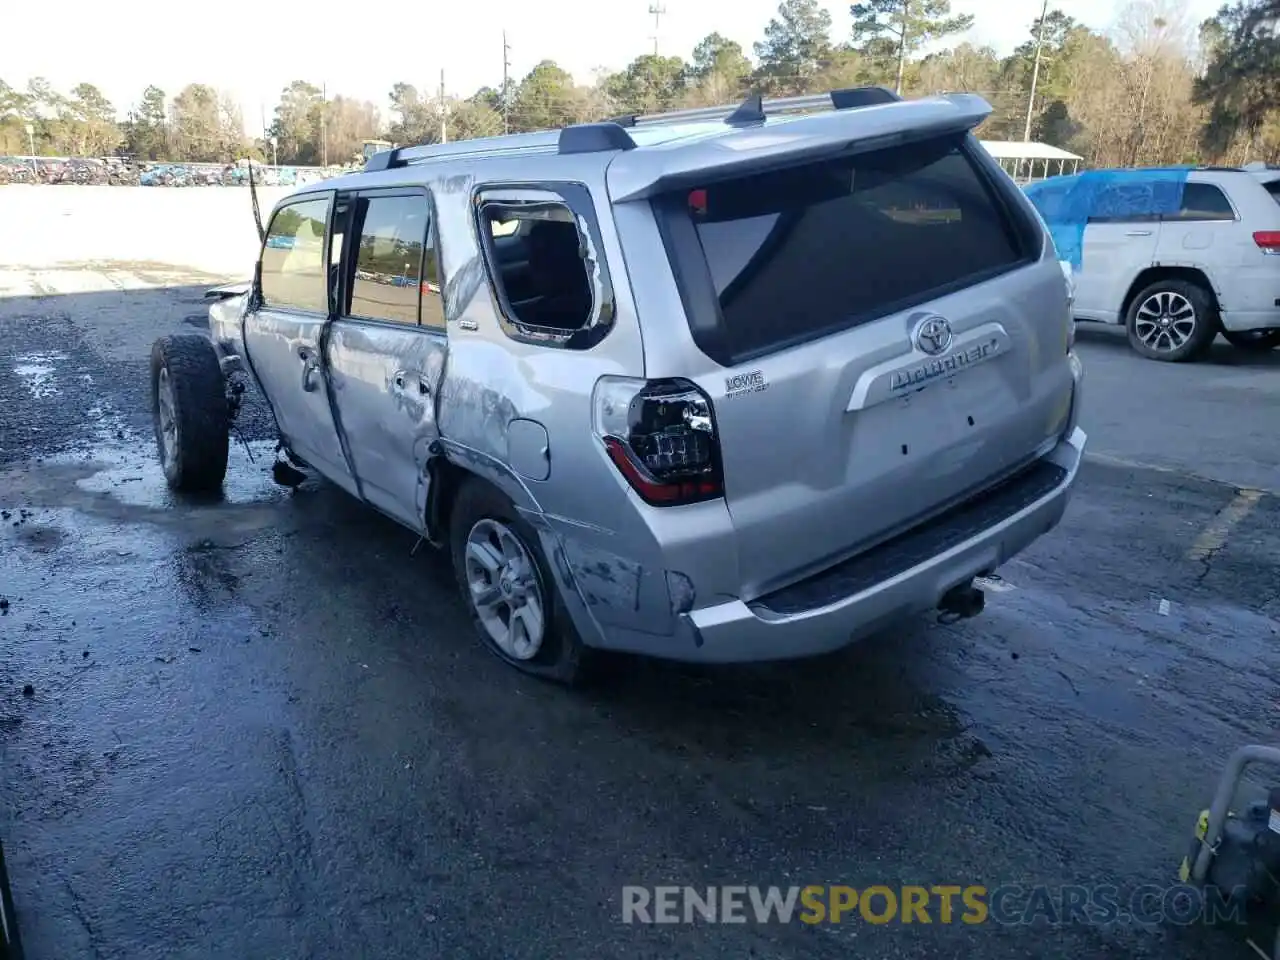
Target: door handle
[(310, 366), (424, 388), (309, 370), (1138, 233)]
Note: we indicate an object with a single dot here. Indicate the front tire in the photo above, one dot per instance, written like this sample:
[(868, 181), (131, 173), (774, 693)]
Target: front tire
[(190, 413), (1253, 341), (1172, 320), (508, 588)]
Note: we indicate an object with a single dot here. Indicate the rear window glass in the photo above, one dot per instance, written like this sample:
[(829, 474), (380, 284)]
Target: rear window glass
[(1273, 188), (801, 252), (1203, 201)]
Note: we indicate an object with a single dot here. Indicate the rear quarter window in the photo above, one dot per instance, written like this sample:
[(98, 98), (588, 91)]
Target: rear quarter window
[(802, 252)]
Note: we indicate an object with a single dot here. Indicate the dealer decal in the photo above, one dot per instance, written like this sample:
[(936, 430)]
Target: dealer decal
[(742, 383)]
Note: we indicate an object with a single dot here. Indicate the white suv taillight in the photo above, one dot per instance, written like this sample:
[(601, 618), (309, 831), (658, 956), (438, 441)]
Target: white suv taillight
[(1268, 241), (661, 437)]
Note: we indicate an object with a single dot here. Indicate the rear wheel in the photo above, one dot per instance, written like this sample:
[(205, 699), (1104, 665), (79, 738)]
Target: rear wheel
[(1172, 320), (508, 587), (1254, 341), (190, 412)]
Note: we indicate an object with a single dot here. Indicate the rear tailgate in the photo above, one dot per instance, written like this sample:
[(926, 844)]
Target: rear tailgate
[(888, 336)]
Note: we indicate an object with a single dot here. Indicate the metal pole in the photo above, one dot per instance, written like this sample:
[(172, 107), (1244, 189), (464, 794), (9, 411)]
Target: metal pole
[(657, 9), (444, 131), (31, 138), (506, 85), (1035, 72), (1222, 802)]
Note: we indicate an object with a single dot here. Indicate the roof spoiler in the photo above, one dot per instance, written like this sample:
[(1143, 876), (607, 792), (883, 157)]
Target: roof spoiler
[(893, 123)]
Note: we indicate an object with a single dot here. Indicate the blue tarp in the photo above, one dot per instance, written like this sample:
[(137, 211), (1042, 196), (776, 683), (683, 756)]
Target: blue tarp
[(1068, 203)]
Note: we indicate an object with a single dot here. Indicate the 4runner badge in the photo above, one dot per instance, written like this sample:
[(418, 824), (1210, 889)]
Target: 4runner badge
[(738, 384)]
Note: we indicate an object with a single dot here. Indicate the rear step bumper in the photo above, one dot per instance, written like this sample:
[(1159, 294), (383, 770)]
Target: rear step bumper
[(906, 576)]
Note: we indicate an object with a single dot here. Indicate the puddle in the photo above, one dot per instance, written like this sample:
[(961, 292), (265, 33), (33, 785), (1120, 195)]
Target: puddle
[(36, 371)]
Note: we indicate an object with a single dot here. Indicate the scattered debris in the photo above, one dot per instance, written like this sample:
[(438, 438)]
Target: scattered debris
[(28, 691), (164, 659), (4, 605), (193, 649), (85, 655)]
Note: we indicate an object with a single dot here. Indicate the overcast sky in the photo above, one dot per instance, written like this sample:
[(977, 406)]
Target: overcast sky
[(255, 49)]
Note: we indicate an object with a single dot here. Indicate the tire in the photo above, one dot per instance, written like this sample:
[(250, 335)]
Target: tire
[(1254, 341), (190, 413), (12, 943), (1172, 320), (482, 517)]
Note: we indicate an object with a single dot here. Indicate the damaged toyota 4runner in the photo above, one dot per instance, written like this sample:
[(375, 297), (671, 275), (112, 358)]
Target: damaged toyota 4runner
[(721, 385)]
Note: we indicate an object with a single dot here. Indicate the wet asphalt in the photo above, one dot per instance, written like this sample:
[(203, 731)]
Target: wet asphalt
[(261, 728)]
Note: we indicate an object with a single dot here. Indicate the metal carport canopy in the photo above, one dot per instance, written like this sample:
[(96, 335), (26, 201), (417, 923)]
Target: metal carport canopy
[(1025, 150)]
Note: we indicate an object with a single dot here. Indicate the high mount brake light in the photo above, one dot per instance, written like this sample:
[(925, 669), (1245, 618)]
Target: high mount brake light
[(661, 437)]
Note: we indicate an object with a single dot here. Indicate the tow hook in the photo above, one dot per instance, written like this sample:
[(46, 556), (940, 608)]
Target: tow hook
[(961, 603)]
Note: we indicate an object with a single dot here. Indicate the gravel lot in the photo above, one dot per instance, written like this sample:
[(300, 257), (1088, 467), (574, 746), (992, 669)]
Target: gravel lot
[(260, 728)]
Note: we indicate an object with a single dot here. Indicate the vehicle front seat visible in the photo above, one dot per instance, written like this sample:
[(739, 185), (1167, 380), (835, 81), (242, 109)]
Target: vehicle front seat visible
[(558, 275)]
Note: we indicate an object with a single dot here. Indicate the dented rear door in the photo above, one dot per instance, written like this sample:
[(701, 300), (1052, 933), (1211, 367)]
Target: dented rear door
[(385, 353)]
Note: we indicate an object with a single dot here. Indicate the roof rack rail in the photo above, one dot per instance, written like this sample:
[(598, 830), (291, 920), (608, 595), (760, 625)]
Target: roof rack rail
[(755, 109), (579, 138), (612, 134)]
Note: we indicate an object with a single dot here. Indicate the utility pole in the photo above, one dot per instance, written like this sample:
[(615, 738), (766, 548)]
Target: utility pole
[(324, 123), (902, 46), (658, 11), (506, 84), (444, 113), (1035, 71)]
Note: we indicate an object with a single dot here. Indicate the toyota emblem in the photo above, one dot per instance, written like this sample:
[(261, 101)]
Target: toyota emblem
[(933, 335)]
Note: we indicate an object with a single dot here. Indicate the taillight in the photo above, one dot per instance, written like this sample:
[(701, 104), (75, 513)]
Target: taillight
[(1268, 241), (661, 437)]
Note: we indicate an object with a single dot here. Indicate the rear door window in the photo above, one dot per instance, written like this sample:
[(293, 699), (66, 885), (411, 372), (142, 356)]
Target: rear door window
[(1203, 201), (1273, 188), (395, 264), (801, 252)]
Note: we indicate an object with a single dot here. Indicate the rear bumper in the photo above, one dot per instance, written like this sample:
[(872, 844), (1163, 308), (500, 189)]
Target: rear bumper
[(782, 628)]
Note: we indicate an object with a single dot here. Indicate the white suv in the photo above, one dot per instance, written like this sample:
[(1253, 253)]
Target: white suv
[(1177, 255)]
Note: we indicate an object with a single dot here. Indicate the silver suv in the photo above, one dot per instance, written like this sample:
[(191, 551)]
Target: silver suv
[(720, 385)]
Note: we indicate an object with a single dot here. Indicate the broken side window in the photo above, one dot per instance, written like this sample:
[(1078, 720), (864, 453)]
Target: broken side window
[(539, 266)]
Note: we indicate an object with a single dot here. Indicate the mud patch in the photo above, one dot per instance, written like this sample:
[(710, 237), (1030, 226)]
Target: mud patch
[(40, 538)]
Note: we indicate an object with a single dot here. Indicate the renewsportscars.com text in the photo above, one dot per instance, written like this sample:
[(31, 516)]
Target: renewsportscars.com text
[(970, 904)]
